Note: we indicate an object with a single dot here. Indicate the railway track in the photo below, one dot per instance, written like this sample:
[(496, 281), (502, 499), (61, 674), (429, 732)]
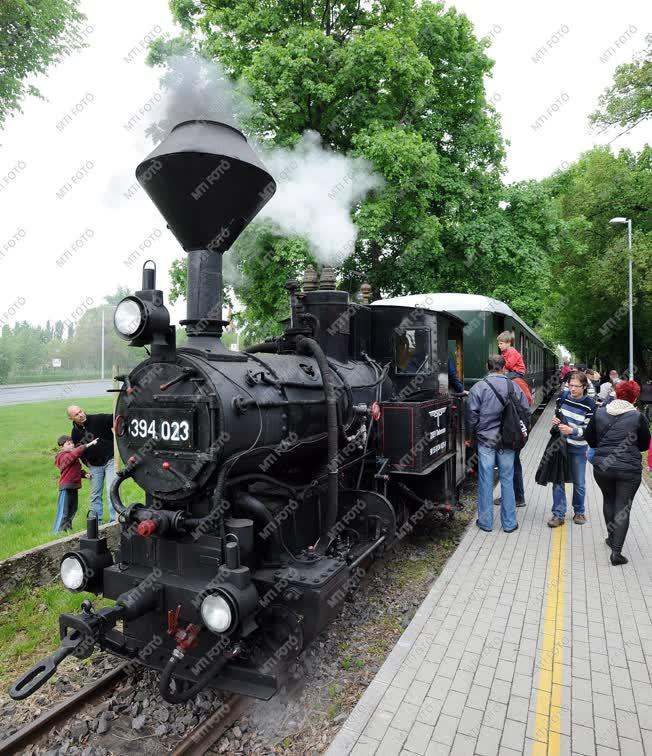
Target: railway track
[(200, 740), (30, 734), (196, 743)]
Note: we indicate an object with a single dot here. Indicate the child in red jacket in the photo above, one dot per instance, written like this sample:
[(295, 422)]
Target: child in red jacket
[(71, 473), (513, 360)]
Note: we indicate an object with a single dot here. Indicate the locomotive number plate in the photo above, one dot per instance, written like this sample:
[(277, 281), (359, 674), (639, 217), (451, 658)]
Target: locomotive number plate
[(169, 429)]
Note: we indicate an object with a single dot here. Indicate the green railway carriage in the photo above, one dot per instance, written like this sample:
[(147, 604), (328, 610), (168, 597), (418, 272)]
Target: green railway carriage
[(484, 319)]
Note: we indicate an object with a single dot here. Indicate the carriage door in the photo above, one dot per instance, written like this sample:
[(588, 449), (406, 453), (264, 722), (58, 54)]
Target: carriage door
[(499, 327), (455, 353)]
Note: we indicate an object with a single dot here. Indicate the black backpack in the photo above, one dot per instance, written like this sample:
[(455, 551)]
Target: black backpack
[(514, 422)]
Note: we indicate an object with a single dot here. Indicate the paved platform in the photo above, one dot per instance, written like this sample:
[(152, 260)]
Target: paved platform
[(527, 643)]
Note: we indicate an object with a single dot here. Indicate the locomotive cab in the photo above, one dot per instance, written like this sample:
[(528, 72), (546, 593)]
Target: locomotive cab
[(422, 426)]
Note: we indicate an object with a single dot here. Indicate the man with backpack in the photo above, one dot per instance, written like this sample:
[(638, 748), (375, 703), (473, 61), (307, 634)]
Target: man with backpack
[(498, 414)]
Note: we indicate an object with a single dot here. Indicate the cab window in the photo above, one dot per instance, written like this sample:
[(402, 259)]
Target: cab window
[(412, 351)]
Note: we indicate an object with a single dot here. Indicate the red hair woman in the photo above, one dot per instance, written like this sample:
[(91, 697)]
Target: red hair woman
[(618, 433)]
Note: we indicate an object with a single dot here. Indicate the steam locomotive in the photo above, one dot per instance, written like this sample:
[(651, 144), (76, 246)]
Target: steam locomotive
[(272, 476)]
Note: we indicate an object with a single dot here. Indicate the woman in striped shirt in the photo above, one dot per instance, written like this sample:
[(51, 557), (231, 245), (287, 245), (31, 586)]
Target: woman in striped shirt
[(576, 410)]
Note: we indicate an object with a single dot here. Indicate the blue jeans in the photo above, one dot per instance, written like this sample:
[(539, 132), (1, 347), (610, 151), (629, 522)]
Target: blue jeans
[(577, 462), (519, 488), (488, 458), (102, 473)]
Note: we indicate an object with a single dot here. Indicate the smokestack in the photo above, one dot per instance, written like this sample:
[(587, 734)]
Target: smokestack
[(208, 184)]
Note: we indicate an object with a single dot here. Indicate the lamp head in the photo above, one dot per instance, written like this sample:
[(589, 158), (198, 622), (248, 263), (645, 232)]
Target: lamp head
[(619, 219), (142, 318)]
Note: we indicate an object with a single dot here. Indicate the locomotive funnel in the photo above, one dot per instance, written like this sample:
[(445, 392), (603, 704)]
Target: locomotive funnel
[(208, 184)]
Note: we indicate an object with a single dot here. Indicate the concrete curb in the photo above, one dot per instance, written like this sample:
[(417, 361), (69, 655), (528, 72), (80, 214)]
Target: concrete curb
[(53, 383), (41, 565)]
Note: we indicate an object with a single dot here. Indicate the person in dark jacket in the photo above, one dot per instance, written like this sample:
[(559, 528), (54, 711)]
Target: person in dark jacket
[(618, 433), (70, 477), (99, 458), (454, 379), (483, 415)]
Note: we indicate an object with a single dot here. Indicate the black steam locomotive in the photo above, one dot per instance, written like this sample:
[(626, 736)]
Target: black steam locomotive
[(271, 476)]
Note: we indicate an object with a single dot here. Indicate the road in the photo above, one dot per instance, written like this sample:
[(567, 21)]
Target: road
[(43, 392)]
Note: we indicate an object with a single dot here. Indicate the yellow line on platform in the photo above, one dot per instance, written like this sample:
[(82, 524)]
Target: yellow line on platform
[(547, 721)]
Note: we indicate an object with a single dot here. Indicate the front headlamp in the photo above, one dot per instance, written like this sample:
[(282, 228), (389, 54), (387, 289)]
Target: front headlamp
[(142, 318), (129, 318), (83, 570), (73, 573), (217, 613)]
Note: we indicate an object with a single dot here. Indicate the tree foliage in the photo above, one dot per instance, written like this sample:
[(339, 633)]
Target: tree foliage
[(629, 100), (401, 84), (588, 305), (33, 34)]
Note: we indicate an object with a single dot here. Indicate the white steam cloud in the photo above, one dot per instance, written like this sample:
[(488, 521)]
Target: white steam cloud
[(316, 192), (317, 189)]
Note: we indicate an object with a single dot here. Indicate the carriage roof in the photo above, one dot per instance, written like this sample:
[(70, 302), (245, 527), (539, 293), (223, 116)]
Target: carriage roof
[(451, 302)]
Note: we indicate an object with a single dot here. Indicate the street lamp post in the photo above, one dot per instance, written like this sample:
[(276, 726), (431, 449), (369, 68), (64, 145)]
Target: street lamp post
[(102, 372), (102, 308), (628, 221)]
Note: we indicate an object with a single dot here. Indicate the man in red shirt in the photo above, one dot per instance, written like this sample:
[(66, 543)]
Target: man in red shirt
[(70, 475), (565, 370)]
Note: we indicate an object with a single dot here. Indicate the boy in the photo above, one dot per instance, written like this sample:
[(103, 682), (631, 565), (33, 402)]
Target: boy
[(513, 360), (71, 473)]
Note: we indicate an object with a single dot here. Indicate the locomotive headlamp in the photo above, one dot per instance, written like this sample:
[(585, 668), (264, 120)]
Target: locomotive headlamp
[(72, 573), (128, 317), (217, 613), (83, 570), (142, 318)]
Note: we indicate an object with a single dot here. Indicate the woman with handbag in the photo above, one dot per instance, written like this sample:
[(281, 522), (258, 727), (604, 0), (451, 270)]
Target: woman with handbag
[(575, 411), (618, 433)]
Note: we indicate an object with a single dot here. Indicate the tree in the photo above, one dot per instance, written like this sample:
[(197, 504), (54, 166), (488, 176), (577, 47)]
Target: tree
[(402, 85), (33, 35), (587, 307), (5, 357), (629, 100)]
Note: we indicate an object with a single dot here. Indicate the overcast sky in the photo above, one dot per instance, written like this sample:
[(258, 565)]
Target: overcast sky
[(70, 229)]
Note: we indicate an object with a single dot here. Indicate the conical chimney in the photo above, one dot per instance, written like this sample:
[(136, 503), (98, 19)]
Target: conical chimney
[(208, 184)]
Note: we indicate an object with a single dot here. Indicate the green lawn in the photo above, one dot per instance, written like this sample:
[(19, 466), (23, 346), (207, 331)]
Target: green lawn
[(28, 477)]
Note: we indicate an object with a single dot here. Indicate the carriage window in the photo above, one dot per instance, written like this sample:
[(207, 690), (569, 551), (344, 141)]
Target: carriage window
[(412, 351)]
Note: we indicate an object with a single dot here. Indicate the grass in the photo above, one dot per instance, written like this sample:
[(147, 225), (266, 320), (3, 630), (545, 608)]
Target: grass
[(28, 477), (29, 626)]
